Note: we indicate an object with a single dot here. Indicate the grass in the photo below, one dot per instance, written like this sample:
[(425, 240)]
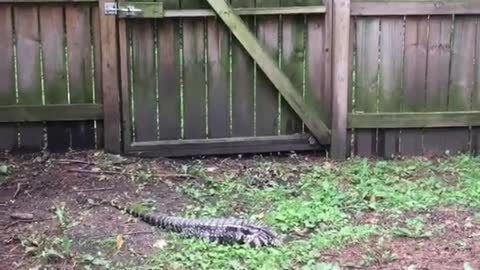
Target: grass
[(319, 212)]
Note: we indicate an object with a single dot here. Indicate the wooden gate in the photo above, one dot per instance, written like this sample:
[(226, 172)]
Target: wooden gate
[(197, 79)]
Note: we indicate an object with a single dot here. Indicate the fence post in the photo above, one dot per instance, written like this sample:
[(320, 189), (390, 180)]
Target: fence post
[(110, 81), (340, 77)]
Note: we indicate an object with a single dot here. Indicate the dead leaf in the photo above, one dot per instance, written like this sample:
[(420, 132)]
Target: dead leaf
[(160, 244), (37, 267), (120, 242)]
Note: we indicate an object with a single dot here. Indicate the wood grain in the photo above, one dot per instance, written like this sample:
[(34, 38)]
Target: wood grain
[(461, 79), (367, 43), (218, 79), (80, 71), (55, 76), (391, 78), (8, 132), (243, 83), (267, 96), (29, 73), (416, 47), (438, 74)]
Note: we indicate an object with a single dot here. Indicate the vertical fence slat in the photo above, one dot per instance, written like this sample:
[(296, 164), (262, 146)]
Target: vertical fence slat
[(55, 75), (218, 79), (437, 80), (80, 71), (293, 57), (243, 95), (169, 117), (110, 79), (416, 46), (144, 84), (476, 95), (8, 132), (266, 108), (366, 90), (391, 80), (316, 92), (95, 13), (194, 99), (29, 72), (340, 83), (461, 79)]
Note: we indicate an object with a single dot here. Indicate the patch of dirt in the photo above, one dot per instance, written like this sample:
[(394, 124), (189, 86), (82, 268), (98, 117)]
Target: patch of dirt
[(36, 184), (455, 240)]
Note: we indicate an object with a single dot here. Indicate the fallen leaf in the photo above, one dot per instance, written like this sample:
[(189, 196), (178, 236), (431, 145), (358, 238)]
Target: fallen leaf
[(120, 242), (160, 244)]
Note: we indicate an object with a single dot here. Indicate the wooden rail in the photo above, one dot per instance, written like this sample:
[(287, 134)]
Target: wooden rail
[(40, 113)]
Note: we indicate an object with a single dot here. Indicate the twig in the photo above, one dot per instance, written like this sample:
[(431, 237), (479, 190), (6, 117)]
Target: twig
[(186, 176), (123, 234), (69, 161), (25, 221), (95, 189), (19, 188)]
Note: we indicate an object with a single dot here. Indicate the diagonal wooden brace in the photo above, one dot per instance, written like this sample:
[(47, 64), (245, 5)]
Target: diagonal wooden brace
[(310, 116)]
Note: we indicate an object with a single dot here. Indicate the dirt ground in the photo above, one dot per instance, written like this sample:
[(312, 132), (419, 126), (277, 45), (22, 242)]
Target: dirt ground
[(37, 184)]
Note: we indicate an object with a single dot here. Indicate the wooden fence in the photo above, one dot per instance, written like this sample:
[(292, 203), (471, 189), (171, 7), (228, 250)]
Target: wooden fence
[(72, 77)]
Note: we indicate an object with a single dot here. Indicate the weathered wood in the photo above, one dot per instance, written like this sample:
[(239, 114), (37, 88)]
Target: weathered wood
[(461, 77), (366, 92), (391, 80), (374, 8), (476, 95), (110, 79), (246, 11), (243, 83), (29, 72), (80, 70), (416, 48), (317, 92), (194, 96), (236, 145), (55, 76), (292, 64), (169, 116), (8, 132), (267, 97), (438, 75), (341, 66), (125, 82), (395, 120), (218, 79), (144, 96), (97, 57), (309, 115), (57, 112)]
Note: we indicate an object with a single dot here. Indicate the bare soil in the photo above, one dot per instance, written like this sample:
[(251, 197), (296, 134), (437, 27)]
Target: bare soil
[(37, 184)]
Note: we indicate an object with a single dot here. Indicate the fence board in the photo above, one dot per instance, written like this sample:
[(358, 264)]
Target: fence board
[(194, 101), (243, 83), (29, 72), (367, 42), (437, 80), (391, 78), (54, 70), (169, 117), (144, 80), (8, 132), (97, 57), (461, 79), (316, 92), (293, 59), (266, 94), (218, 79), (80, 71), (416, 47), (476, 96)]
